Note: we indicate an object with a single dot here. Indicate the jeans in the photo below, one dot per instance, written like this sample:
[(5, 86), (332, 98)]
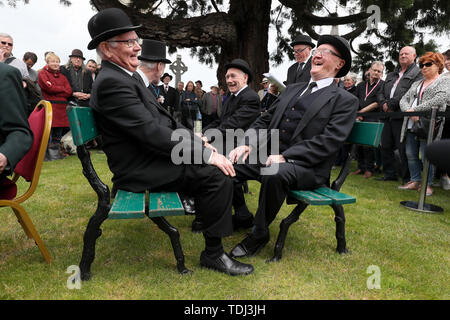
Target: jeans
[(415, 163)]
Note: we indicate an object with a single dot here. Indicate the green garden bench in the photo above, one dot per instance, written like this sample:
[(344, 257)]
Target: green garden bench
[(364, 134), (125, 205)]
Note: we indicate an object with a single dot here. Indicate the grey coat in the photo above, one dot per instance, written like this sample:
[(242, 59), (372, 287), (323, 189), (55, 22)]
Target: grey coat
[(437, 94)]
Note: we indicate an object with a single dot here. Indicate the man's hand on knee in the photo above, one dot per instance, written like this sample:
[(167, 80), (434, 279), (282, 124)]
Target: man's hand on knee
[(223, 164), (237, 153), (275, 159)]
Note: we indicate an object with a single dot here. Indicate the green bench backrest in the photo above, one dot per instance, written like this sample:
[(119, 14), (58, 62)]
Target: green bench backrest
[(82, 124), (366, 133)]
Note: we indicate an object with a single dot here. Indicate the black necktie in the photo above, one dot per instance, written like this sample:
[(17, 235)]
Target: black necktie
[(300, 67), (310, 88)]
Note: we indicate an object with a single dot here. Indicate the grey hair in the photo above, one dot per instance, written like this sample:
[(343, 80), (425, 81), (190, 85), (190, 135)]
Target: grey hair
[(5, 35), (112, 44), (352, 76), (148, 65), (377, 63)]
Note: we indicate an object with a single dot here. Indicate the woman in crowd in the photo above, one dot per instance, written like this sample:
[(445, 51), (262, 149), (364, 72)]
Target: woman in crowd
[(55, 88), (432, 91), (190, 106), (350, 82)]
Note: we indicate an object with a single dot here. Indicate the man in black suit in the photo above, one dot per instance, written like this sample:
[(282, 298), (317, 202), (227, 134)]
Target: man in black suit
[(300, 70), (313, 119), (170, 94), (240, 110), (15, 134), (137, 133)]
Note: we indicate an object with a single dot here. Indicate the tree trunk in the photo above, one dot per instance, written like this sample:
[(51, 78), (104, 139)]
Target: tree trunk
[(243, 32), (251, 19)]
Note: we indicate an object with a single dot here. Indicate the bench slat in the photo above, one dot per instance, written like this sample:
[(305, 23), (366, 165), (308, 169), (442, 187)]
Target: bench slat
[(366, 133), (165, 204), (310, 197), (82, 124), (336, 196), (128, 205)]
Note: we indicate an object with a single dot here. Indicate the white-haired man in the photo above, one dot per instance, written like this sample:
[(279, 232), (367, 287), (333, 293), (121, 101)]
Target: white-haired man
[(137, 134)]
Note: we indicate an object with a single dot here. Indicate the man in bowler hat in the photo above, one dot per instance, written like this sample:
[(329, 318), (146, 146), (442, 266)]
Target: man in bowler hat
[(137, 133), (169, 93), (239, 111), (299, 71), (314, 119)]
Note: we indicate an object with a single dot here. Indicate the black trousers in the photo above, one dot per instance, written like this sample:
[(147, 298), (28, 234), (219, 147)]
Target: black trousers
[(366, 158), (213, 193), (274, 188), (390, 141)]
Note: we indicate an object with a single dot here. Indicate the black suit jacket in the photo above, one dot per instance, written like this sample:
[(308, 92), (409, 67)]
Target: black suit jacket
[(238, 112), (303, 76), (322, 130), (170, 98), (16, 137), (137, 132)]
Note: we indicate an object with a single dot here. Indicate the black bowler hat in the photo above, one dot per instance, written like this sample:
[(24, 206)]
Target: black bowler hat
[(241, 65), (166, 75), (302, 39), (107, 24), (153, 51), (77, 53), (343, 48)]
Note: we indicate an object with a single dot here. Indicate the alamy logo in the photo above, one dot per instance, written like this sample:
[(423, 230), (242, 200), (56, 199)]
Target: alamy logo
[(74, 281), (375, 18), (374, 281), (185, 151)]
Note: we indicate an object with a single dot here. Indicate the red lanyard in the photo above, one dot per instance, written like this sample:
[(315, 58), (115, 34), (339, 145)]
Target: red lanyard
[(367, 88)]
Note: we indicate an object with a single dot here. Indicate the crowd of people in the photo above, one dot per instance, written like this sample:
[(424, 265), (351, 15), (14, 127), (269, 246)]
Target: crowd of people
[(137, 111)]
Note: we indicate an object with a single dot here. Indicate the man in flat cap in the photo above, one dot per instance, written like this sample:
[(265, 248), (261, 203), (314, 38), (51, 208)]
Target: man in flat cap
[(314, 119), (137, 134), (299, 71)]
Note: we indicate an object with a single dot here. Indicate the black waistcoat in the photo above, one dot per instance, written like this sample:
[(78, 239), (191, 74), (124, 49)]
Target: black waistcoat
[(292, 116)]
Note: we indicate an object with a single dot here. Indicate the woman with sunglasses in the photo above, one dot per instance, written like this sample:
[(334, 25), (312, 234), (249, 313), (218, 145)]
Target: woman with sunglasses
[(433, 90)]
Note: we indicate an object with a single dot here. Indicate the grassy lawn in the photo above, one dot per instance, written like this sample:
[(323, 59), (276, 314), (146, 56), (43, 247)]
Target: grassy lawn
[(134, 259)]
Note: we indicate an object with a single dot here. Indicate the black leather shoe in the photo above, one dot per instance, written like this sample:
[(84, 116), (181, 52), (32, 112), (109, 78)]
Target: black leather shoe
[(239, 223), (386, 179), (249, 247), (224, 263)]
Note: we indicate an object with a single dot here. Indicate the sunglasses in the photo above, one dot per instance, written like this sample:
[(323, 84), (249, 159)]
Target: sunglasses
[(428, 64), (6, 43)]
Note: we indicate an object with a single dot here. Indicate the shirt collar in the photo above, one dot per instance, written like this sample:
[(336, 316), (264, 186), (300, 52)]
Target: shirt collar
[(237, 93), (127, 71), (143, 76), (322, 83)]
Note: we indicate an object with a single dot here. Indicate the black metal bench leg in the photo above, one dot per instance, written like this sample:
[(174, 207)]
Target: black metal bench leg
[(93, 230), (340, 228), (174, 236), (284, 227)]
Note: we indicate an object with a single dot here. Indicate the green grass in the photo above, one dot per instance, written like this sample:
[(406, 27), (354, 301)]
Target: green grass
[(134, 259)]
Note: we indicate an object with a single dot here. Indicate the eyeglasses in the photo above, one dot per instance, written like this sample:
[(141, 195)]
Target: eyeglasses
[(130, 42), (428, 64), (7, 43), (325, 52), (298, 51)]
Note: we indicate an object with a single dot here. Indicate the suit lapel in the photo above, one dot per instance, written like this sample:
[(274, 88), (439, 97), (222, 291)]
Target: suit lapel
[(317, 105)]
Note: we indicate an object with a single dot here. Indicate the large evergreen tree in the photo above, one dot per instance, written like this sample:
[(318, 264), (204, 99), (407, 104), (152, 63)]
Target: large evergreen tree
[(218, 31)]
